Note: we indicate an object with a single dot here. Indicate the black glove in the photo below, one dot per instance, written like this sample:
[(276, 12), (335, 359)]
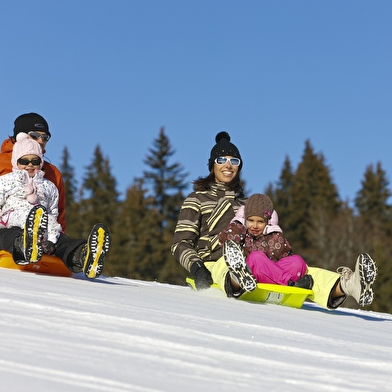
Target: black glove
[(49, 247), (201, 274)]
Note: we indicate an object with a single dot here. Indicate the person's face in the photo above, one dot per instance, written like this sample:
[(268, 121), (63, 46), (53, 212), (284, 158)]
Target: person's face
[(225, 172), (40, 137), (30, 163), (256, 225)]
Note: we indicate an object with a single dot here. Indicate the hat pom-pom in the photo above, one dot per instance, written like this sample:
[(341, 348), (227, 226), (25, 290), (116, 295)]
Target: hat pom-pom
[(222, 135), (30, 194), (29, 189), (32, 198)]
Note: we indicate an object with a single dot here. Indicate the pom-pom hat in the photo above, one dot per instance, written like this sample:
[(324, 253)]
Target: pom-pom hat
[(25, 146), (30, 122), (259, 205), (222, 148)]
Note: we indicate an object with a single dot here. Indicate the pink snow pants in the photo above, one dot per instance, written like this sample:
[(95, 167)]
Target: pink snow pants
[(279, 272)]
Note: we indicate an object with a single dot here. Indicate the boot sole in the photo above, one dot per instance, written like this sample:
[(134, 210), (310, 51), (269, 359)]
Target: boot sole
[(35, 228), (98, 245), (368, 274), (236, 263)]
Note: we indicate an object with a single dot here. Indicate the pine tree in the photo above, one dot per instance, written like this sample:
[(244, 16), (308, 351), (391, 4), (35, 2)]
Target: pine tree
[(374, 224), (101, 202), (281, 195), (167, 182), (314, 201), (133, 254), (372, 200), (70, 187), (334, 238)]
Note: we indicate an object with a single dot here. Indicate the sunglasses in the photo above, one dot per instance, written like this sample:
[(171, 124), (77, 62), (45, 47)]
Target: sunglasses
[(35, 135), (34, 161), (223, 161)]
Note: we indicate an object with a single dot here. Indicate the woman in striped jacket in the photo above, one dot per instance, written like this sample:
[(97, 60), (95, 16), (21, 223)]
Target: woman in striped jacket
[(206, 212)]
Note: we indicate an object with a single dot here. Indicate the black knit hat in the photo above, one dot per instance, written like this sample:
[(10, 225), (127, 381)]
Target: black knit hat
[(222, 148), (30, 122)]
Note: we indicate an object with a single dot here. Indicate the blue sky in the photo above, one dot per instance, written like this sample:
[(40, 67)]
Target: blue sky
[(272, 73)]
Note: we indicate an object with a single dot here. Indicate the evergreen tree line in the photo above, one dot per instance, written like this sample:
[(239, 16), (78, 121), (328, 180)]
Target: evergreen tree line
[(321, 228)]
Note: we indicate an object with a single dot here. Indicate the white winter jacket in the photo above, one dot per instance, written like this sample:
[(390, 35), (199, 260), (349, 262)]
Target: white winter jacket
[(14, 207)]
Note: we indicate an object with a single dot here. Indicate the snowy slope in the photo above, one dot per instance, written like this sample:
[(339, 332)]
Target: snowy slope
[(112, 334)]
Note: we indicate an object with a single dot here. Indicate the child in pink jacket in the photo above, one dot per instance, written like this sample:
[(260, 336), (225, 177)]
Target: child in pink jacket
[(268, 253)]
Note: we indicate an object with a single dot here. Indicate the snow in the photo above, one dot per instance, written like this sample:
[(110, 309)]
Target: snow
[(114, 334)]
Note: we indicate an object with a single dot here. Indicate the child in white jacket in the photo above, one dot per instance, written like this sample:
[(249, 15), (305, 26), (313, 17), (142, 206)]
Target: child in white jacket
[(26, 187)]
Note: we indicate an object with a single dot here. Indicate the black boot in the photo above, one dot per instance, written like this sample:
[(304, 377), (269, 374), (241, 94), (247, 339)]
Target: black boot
[(304, 282), (18, 252), (78, 258), (90, 257)]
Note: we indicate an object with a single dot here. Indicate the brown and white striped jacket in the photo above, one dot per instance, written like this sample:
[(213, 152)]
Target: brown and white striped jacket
[(203, 215)]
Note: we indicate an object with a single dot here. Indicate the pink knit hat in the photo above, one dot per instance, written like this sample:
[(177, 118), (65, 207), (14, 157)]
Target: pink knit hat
[(25, 146)]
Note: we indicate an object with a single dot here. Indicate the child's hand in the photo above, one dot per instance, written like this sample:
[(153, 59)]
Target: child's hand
[(235, 232)]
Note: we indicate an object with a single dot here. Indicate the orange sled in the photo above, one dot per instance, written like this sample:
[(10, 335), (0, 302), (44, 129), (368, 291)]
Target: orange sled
[(47, 265)]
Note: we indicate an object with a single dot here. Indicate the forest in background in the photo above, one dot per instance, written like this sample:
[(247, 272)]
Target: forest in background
[(321, 228)]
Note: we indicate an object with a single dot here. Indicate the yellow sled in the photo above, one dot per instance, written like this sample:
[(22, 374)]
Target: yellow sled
[(47, 265), (272, 294)]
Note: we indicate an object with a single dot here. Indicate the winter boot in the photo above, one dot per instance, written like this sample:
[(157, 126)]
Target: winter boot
[(28, 247), (359, 284), (239, 270), (304, 282), (92, 254)]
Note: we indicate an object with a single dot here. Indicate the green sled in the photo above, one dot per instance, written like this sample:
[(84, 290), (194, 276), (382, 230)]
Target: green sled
[(271, 294)]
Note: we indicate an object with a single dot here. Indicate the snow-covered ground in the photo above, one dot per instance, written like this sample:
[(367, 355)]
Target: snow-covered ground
[(112, 334)]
